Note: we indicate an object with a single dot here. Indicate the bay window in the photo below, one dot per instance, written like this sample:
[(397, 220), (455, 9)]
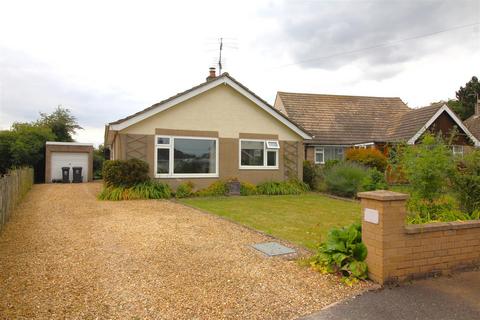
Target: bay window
[(186, 157), (259, 154)]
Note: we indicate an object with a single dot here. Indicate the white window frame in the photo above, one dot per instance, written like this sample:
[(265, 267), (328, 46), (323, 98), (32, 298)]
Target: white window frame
[(317, 150), (171, 147), (458, 153), (265, 150), (321, 150)]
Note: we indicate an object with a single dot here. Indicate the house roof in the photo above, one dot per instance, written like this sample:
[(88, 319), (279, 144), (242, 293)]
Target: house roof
[(338, 119), (405, 125), (225, 78), (473, 124), (347, 120)]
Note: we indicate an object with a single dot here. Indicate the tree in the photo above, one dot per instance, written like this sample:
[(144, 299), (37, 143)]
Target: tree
[(98, 159), (467, 96), (24, 145), (62, 123)]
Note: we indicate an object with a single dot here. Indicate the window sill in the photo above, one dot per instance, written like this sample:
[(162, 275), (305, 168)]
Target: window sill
[(185, 176), (258, 168)]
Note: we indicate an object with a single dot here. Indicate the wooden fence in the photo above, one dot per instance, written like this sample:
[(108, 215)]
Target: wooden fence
[(13, 186)]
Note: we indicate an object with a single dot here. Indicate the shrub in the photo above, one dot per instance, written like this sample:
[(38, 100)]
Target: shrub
[(369, 157), (218, 188), (125, 173), (330, 163), (282, 188), (466, 182), (247, 189), (427, 167), (185, 190), (343, 252), (345, 179), (375, 180), (143, 190), (312, 175), (442, 209)]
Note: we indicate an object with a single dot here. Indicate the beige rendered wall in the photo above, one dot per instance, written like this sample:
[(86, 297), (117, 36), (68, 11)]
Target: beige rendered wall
[(228, 158), (220, 109)]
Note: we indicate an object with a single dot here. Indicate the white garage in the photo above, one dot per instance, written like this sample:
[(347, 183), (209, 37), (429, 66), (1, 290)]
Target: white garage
[(66, 159), (68, 154)]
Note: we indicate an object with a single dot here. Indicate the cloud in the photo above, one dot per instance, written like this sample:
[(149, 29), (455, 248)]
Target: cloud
[(28, 87), (332, 34)]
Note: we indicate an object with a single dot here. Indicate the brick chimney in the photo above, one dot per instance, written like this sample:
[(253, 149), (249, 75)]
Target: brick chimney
[(212, 75)]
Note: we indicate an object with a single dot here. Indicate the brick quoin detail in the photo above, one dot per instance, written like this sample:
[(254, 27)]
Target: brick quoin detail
[(398, 252)]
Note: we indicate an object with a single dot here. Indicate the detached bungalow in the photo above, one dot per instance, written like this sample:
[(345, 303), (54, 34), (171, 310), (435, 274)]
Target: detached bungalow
[(216, 130), (338, 122)]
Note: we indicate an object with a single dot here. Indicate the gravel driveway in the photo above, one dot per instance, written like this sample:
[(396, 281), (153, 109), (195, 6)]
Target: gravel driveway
[(66, 255)]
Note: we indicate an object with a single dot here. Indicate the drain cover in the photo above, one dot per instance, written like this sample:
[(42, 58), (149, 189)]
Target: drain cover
[(273, 248)]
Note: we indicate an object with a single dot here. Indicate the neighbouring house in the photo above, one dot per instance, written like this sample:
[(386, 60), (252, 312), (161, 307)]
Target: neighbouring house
[(338, 122), (68, 154), (473, 123), (216, 130)]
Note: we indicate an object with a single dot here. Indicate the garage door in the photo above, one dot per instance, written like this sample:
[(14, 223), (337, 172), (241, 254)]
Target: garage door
[(67, 159)]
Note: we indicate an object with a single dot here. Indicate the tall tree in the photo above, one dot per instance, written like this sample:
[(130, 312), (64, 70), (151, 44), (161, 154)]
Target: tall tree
[(62, 123), (24, 145), (467, 96)]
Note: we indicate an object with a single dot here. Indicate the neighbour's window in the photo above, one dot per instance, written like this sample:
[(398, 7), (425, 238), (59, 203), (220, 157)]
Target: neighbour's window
[(457, 151), (319, 155), (326, 153), (259, 154), (186, 156)]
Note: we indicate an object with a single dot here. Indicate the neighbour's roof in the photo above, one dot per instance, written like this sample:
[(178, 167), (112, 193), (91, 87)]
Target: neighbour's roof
[(347, 120), (405, 125), (473, 124), (339, 119), (229, 80)]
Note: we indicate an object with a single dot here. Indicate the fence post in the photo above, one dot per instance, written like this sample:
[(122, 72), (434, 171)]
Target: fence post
[(383, 230)]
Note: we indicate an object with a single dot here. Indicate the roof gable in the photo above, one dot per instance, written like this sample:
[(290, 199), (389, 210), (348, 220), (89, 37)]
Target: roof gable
[(225, 79), (444, 109)]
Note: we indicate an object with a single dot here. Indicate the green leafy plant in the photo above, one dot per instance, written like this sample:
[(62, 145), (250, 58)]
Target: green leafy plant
[(442, 209), (343, 252), (369, 157), (282, 187), (374, 180), (218, 188), (313, 175), (345, 179), (331, 163), (143, 190), (125, 173), (466, 182), (185, 190), (247, 189), (428, 167)]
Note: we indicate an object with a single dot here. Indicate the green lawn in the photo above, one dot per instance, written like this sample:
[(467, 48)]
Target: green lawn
[(302, 219)]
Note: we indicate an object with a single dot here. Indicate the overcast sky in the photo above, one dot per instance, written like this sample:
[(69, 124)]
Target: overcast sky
[(107, 59)]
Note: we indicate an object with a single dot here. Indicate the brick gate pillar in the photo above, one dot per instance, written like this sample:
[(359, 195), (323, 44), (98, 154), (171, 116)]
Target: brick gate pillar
[(383, 231)]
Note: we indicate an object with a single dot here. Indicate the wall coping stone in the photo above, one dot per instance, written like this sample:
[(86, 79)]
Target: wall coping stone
[(383, 195), (441, 226)]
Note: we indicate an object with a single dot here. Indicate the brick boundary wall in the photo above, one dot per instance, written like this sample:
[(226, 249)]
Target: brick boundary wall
[(398, 252)]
